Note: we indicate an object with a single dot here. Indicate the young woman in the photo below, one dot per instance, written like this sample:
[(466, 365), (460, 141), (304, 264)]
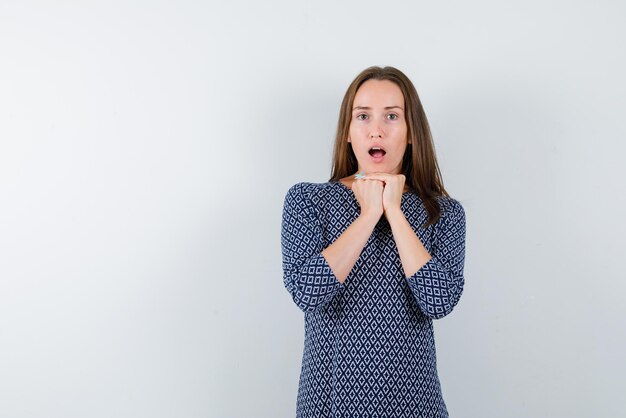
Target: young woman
[(372, 257)]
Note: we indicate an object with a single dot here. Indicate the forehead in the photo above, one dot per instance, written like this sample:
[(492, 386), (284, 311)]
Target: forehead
[(378, 93)]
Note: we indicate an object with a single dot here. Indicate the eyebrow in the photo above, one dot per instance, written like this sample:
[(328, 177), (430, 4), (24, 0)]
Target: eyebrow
[(368, 108)]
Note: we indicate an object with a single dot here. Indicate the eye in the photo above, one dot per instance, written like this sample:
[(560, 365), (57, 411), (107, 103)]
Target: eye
[(359, 116), (394, 116)]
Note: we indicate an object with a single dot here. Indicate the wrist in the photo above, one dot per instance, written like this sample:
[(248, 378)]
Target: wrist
[(370, 217), (394, 214)]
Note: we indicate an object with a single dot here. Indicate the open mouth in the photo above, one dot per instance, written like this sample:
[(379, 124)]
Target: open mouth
[(377, 152)]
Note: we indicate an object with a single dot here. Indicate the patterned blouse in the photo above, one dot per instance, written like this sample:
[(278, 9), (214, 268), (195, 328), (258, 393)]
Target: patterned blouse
[(369, 348)]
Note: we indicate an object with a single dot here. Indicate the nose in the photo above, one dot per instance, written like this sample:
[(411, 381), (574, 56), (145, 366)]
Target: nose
[(376, 131)]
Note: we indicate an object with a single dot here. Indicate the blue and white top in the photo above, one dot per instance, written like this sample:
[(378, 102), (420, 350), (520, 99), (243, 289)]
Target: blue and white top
[(369, 348)]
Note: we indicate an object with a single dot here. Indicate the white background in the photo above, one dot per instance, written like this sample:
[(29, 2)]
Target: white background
[(146, 149)]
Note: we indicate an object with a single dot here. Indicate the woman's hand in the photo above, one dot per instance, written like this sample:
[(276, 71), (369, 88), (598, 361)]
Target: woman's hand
[(393, 187), (369, 194)]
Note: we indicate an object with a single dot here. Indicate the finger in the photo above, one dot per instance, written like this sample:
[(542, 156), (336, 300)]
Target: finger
[(378, 176), (378, 180), (363, 179)]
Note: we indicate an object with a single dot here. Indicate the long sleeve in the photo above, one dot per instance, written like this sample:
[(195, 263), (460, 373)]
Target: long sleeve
[(306, 273), (438, 285)]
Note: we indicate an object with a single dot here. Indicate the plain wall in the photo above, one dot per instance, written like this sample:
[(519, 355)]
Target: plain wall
[(146, 149)]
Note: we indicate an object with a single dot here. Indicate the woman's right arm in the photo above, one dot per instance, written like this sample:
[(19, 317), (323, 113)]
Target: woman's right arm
[(345, 251), (311, 274), (342, 254)]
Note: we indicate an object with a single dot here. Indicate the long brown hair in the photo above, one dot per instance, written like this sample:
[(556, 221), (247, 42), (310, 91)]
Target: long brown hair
[(419, 163)]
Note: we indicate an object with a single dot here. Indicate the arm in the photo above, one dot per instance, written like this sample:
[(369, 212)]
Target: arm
[(345, 251), (313, 276), (413, 254), (436, 281)]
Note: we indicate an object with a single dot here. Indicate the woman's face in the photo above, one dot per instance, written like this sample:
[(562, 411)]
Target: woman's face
[(378, 120)]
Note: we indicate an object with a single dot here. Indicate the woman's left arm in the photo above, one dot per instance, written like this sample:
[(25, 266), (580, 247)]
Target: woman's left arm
[(436, 280)]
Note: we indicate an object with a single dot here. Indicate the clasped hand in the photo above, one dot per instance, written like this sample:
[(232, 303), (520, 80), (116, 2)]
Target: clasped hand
[(379, 192)]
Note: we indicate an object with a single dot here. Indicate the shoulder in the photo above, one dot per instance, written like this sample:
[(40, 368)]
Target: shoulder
[(451, 209), (307, 191), (303, 188), (306, 195)]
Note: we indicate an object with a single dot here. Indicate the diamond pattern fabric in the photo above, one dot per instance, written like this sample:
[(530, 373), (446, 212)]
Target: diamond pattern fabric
[(369, 348)]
